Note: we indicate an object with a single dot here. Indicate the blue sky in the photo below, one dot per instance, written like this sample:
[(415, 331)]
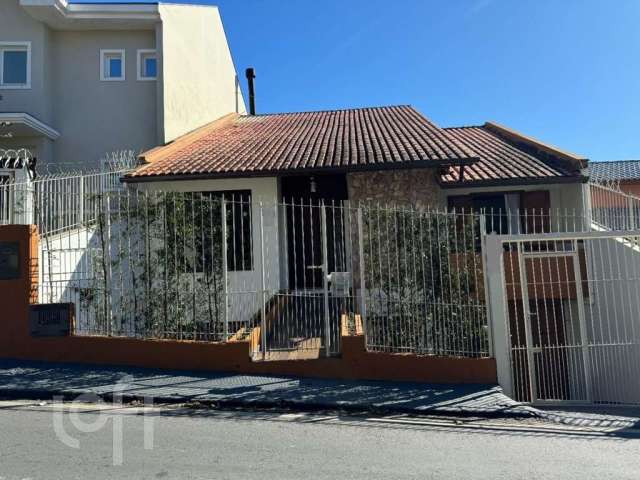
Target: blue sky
[(566, 72)]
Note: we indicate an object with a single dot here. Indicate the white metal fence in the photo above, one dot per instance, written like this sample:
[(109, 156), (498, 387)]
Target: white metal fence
[(63, 200), (570, 303), (289, 275)]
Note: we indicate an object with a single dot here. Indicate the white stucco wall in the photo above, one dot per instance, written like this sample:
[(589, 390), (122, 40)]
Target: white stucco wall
[(244, 287), (200, 82)]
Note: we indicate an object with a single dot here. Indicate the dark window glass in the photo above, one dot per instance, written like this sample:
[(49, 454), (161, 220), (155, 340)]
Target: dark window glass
[(150, 67), (237, 205), (14, 71), (239, 240)]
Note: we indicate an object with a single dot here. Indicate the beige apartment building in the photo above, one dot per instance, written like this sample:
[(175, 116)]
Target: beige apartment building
[(78, 81)]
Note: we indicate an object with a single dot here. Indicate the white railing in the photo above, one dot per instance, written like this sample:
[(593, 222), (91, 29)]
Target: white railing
[(56, 202), (613, 209)]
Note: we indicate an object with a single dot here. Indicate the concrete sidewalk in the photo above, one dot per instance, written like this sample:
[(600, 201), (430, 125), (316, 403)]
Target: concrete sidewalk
[(19, 379)]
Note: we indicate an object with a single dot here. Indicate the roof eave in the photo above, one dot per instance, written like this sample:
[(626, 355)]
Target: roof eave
[(303, 171)]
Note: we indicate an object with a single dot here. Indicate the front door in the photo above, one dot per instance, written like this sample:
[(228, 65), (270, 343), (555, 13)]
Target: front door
[(315, 228), (305, 321)]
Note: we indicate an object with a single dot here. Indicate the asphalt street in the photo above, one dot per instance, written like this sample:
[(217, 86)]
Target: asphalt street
[(41, 440)]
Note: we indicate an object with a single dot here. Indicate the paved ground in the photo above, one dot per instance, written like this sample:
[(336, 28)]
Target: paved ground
[(42, 380), (185, 443), (45, 380)]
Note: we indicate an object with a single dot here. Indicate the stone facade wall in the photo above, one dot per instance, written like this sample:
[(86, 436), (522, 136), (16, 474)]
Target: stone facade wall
[(417, 187)]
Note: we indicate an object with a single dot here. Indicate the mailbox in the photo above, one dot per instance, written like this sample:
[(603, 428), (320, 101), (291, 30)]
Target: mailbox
[(340, 283), (9, 260), (51, 319)]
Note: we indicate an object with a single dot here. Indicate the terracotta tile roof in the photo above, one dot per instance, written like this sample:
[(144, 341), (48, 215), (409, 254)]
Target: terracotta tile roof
[(374, 138), (502, 160), (619, 170)]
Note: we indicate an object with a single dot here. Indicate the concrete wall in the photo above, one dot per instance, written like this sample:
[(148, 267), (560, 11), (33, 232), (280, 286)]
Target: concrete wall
[(96, 117), (17, 26), (199, 76), (416, 187)]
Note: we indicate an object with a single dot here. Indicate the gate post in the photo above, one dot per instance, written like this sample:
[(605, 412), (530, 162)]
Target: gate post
[(499, 333), (325, 277), (263, 321), (225, 266), (361, 267)]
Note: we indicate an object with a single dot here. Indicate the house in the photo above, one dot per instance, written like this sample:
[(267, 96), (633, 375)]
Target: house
[(517, 173), (282, 165), (624, 173), (78, 81)]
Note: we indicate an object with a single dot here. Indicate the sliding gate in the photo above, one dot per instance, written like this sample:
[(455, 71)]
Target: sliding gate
[(572, 312)]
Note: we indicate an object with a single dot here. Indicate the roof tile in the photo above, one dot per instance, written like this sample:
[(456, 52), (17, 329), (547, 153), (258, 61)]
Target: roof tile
[(396, 136), (499, 160)]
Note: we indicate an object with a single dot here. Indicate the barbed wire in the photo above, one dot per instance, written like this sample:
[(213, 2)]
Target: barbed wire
[(612, 184), (15, 157)]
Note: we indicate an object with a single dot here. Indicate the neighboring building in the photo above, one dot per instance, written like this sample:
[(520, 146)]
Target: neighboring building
[(624, 173), (516, 173), (78, 81), (385, 155)]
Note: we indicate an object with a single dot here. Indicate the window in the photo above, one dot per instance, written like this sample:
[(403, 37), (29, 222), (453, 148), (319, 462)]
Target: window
[(147, 65), (112, 65), (493, 206), (239, 240), (195, 231), (509, 212), (15, 65)]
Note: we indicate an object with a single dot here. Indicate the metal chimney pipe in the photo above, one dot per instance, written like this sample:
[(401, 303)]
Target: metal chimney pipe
[(251, 74)]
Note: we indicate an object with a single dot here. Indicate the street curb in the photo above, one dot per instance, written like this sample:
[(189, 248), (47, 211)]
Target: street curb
[(510, 412)]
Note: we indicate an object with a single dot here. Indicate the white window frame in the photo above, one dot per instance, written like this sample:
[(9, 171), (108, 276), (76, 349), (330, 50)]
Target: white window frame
[(17, 46), (113, 51), (141, 53)]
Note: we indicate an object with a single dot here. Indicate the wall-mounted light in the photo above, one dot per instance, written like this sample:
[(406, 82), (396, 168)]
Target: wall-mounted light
[(313, 186)]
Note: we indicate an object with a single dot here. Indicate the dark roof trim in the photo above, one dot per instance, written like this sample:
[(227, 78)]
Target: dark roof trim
[(545, 152), (301, 171)]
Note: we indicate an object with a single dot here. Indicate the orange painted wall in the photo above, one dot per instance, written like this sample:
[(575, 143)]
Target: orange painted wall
[(354, 363), (631, 187)]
